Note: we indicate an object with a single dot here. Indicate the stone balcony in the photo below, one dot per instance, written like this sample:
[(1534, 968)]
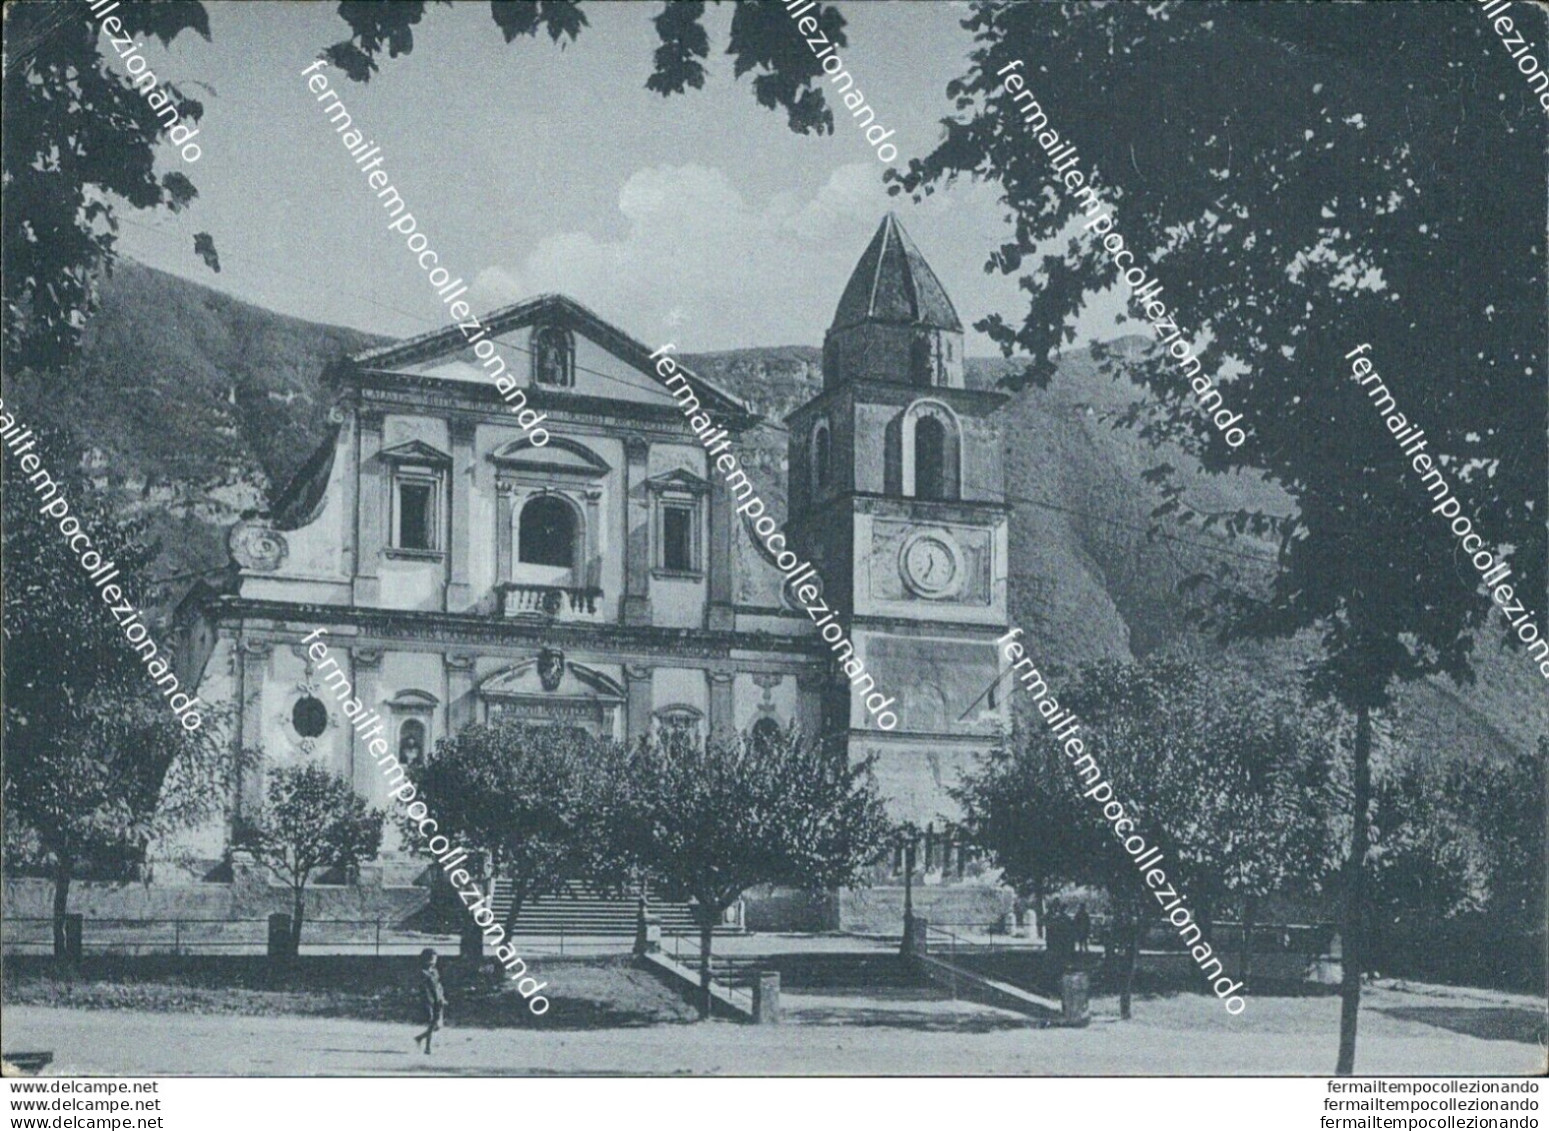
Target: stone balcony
[(547, 602)]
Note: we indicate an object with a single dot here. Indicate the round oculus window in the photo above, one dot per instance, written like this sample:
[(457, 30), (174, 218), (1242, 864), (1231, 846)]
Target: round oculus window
[(309, 717)]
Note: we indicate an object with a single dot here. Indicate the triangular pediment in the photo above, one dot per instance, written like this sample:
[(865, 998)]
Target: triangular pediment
[(415, 451), (607, 363), (679, 479)]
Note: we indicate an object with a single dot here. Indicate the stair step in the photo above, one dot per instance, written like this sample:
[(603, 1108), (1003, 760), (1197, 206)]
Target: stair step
[(580, 911)]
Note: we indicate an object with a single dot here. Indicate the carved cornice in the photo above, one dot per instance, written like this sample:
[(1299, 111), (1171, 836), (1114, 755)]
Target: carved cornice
[(444, 629)]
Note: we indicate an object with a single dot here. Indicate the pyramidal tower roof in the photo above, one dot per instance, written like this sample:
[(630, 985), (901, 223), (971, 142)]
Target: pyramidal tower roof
[(892, 283)]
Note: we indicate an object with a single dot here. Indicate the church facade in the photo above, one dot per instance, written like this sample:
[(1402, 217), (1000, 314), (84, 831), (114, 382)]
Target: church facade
[(600, 577)]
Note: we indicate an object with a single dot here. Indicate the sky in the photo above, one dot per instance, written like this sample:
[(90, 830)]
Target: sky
[(699, 219)]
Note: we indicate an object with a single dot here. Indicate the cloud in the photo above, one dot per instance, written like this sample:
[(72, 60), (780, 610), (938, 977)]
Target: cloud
[(701, 265)]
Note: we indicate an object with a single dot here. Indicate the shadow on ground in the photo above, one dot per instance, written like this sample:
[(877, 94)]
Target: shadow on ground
[(921, 1021), (1487, 1023)]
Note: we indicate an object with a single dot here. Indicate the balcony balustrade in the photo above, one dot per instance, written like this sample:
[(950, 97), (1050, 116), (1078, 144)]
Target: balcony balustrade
[(548, 602)]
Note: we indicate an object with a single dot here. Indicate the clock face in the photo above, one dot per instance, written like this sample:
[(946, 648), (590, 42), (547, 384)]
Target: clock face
[(930, 564)]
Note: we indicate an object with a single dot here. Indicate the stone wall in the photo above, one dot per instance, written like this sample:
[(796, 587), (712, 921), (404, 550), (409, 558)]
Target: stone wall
[(880, 910)]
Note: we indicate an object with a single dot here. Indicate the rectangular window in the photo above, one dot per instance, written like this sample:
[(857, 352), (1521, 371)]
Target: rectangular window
[(416, 513), (678, 539)]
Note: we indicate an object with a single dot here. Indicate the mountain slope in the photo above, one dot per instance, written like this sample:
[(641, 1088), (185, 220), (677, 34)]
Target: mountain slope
[(199, 407)]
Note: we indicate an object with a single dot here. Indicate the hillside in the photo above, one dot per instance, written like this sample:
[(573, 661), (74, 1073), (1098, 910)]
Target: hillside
[(200, 406), (197, 405)]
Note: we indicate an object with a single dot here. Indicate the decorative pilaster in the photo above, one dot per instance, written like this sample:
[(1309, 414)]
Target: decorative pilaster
[(459, 590), (809, 705), (505, 504), (589, 571), (638, 685), (723, 719), (363, 773), (720, 616), (459, 692), (252, 673), (637, 533), (371, 508)]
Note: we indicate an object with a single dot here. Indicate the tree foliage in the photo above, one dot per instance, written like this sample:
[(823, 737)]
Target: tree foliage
[(1287, 231), (710, 819), (97, 767), (764, 40), (311, 820), (78, 140), (1231, 777), (518, 794)]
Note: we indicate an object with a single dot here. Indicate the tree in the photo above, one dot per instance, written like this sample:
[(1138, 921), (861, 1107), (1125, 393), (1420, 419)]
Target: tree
[(514, 792), (1017, 805), (1288, 230), (1235, 775), (1507, 809), (1229, 776), (97, 767), (710, 819), (79, 137), (1428, 861), (311, 820)]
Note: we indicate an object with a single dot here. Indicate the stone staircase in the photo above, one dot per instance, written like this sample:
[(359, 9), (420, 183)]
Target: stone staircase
[(579, 910)]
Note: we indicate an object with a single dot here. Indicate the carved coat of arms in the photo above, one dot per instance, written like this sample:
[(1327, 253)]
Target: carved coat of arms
[(551, 668)]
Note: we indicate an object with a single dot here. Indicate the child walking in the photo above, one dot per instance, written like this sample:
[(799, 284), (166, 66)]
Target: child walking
[(431, 996)]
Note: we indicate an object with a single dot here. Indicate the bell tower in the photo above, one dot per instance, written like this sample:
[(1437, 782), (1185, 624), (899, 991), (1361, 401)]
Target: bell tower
[(897, 492)]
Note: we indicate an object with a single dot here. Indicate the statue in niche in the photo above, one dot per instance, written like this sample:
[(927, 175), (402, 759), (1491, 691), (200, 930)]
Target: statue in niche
[(551, 356)]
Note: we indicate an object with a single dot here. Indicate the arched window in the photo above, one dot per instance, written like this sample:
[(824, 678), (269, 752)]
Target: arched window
[(553, 356), (411, 741), (820, 456), (766, 734), (929, 445), (930, 459), (546, 534)]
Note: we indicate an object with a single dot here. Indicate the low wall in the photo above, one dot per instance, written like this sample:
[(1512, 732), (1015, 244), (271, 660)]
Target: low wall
[(970, 985), (789, 909), (880, 910), (29, 898)]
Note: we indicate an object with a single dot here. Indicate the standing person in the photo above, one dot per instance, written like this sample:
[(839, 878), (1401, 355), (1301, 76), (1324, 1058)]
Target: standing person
[(432, 996), (1058, 942), (1083, 928)]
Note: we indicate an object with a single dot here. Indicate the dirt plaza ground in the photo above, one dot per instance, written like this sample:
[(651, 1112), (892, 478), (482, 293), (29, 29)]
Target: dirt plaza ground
[(1404, 1030)]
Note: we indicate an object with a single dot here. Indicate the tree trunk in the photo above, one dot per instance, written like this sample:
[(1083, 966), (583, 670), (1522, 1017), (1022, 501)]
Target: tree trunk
[(1131, 964), (706, 933), (1250, 907), (298, 906), (1039, 894), (518, 898), (63, 873), (1355, 895)]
